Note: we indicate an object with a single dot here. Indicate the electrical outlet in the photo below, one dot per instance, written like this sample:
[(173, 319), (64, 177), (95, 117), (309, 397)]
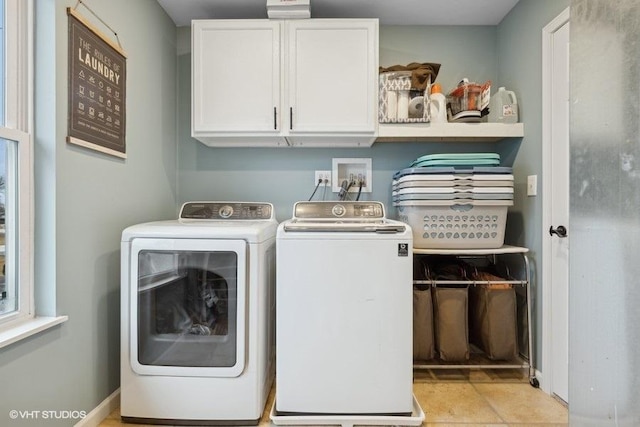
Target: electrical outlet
[(322, 175)]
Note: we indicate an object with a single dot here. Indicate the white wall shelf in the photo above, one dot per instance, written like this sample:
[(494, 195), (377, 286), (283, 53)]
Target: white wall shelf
[(448, 132)]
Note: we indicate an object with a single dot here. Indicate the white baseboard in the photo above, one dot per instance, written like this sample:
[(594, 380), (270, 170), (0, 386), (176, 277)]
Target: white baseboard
[(102, 411)]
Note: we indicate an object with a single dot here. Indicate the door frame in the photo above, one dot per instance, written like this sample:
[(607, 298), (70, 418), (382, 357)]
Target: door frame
[(547, 38)]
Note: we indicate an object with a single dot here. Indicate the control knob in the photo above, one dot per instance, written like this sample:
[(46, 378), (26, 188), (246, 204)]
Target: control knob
[(226, 211)]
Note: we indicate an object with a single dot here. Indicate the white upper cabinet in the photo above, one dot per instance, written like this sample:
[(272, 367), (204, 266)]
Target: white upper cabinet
[(332, 71), (236, 82), (310, 82)]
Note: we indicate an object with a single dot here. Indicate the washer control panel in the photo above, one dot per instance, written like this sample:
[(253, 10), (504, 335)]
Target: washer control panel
[(226, 211), (339, 210)]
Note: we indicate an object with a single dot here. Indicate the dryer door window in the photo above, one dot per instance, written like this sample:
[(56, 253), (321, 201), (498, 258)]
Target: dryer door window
[(189, 304)]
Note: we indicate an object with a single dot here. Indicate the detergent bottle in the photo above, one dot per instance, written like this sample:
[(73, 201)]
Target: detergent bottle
[(438, 106), (503, 107)]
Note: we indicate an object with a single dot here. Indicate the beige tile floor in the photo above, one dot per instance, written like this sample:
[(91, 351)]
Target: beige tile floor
[(467, 397)]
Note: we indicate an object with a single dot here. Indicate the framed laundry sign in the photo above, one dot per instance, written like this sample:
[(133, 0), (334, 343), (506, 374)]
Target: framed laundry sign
[(97, 89)]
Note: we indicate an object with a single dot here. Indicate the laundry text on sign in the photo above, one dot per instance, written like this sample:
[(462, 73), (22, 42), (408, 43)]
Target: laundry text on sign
[(98, 62)]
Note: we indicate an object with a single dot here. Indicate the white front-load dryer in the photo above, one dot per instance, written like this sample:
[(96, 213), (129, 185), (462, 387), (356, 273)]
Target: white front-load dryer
[(198, 312)]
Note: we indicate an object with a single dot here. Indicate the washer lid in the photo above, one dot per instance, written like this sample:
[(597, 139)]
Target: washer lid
[(344, 227)]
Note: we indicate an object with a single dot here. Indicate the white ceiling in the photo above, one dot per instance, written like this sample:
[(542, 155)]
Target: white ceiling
[(390, 12)]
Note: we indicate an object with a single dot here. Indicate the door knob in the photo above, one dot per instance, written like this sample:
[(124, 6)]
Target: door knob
[(560, 231)]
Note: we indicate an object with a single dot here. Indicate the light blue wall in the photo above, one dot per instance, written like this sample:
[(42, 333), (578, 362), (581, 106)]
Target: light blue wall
[(84, 199), (286, 175), (462, 51), (83, 202), (519, 49), (508, 54)]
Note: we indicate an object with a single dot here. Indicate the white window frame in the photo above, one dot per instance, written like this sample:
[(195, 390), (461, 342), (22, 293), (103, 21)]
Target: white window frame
[(18, 125), (19, 95)]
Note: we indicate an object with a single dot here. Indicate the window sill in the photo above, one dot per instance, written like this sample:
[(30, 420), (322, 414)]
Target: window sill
[(29, 327)]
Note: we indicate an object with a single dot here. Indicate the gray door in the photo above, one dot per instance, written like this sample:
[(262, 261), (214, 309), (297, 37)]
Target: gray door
[(604, 268)]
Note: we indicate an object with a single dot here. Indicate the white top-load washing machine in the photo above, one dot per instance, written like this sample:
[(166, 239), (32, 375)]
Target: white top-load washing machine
[(198, 308), (344, 311)]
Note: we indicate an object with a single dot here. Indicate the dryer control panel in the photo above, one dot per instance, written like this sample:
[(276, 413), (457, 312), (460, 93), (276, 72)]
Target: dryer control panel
[(226, 211)]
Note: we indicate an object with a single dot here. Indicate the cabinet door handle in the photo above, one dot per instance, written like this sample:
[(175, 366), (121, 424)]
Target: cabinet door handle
[(275, 118), (290, 118)]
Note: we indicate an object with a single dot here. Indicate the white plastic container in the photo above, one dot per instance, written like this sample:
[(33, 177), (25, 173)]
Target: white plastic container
[(438, 105), (503, 107)]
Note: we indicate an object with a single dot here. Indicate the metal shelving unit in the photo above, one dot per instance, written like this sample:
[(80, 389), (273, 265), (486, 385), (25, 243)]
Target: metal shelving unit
[(518, 273)]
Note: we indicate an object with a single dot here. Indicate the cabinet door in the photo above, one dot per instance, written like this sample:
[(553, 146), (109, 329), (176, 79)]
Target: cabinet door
[(235, 77), (332, 75)]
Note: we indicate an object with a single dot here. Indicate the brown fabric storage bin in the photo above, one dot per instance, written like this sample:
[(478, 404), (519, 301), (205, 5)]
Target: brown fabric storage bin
[(423, 344), (451, 323), (523, 321), (492, 321)]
